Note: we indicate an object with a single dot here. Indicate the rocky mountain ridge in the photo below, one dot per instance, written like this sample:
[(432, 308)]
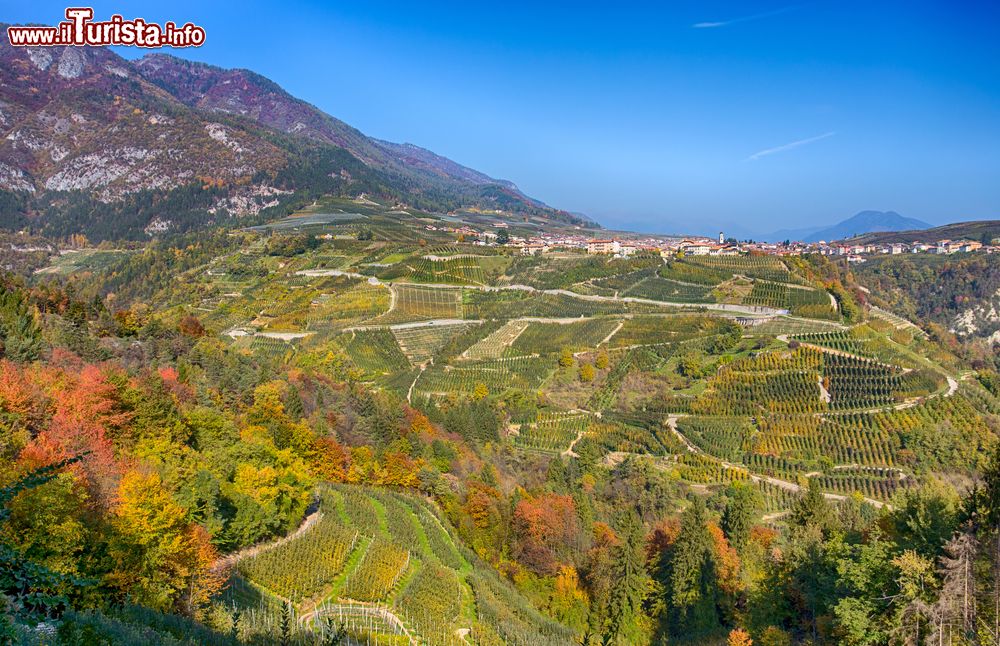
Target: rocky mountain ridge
[(86, 125)]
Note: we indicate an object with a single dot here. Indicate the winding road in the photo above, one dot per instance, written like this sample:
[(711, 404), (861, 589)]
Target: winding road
[(756, 310)]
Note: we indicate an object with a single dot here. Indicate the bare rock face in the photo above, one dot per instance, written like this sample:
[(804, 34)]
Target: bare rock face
[(83, 119), (980, 320)]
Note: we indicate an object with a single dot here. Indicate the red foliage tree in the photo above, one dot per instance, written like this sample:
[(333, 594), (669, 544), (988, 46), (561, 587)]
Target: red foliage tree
[(545, 528)]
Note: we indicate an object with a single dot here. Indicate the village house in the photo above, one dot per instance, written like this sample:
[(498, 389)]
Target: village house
[(603, 246), (627, 249), (695, 247)]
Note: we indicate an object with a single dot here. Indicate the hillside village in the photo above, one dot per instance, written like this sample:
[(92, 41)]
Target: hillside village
[(670, 246)]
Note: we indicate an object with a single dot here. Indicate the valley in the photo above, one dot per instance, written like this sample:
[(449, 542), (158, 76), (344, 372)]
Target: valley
[(270, 379), (543, 363)]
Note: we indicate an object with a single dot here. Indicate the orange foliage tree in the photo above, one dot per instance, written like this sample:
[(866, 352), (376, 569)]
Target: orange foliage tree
[(545, 527)]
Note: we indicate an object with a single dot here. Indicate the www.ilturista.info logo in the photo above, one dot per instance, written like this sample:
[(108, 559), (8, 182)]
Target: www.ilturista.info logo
[(79, 29)]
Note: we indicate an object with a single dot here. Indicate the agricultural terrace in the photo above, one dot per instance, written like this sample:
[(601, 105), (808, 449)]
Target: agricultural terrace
[(561, 348), (387, 567)]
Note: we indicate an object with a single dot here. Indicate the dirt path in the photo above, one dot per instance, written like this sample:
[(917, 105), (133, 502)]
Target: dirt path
[(612, 333), (229, 561), (824, 394), (409, 393), (569, 450), (721, 307), (952, 386)]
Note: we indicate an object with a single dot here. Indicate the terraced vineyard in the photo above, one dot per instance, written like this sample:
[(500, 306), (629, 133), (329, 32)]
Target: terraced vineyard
[(497, 375), (862, 341), (574, 370), (421, 343), (386, 566), (374, 351), (540, 338), (765, 408), (768, 268), (459, 269), (422, 303), (494, 345), (553, 432), (787, 326), (663, 289)]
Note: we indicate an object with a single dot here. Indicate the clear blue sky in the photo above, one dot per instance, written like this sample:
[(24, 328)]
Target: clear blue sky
[(664, 116)]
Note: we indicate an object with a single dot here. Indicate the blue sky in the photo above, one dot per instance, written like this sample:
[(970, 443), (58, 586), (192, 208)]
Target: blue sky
[(668, 116)]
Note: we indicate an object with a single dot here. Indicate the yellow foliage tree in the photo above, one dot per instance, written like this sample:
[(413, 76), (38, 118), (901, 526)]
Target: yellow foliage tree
[(161, 560)]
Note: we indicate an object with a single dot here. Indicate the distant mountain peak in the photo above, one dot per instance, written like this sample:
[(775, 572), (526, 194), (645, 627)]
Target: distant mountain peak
[(866, 222)]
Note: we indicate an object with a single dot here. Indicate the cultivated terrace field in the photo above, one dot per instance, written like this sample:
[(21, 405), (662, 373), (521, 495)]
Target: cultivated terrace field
[(347, 427)]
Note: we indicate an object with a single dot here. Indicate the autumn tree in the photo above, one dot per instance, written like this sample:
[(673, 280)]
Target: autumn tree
[(547, 530), (190, 326), (160, 560), (739, 637)]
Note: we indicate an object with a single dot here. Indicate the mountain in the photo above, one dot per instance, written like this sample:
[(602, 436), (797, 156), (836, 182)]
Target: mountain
[(95, 143), (792, 234), (980, 230), (866, 222), (245, 93)]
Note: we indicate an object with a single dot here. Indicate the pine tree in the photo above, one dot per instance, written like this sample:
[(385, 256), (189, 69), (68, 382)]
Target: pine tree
[(286, 624), (630, 585), (812, 509), (745, 502), (293, 403), (691, 589), (989, 499), (955, 610)]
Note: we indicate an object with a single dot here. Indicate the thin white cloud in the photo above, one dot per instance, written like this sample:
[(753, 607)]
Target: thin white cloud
[(733, 21), (782, 148)]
